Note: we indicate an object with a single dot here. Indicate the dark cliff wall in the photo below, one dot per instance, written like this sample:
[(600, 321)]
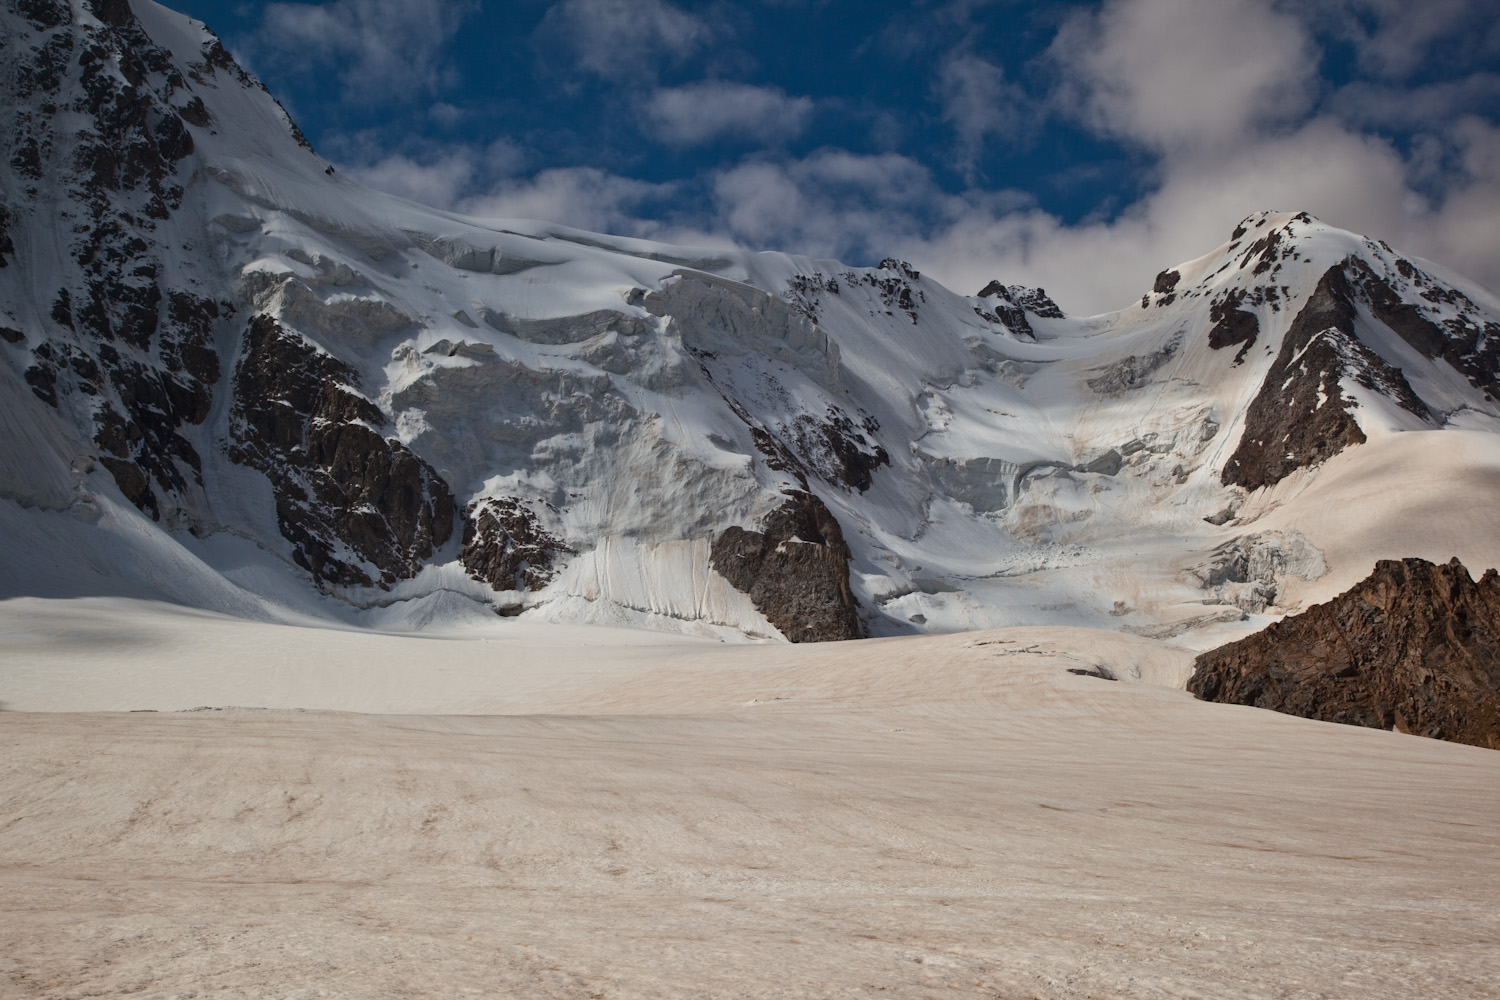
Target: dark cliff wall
[(796, 570), (350, 499), (1414, 647), (1301, 416)]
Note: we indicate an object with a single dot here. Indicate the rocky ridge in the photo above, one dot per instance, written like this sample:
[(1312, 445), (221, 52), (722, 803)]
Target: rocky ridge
[(1414, 647)]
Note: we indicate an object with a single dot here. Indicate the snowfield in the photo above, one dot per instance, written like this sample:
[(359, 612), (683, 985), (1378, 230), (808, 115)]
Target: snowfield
[(935, 816)]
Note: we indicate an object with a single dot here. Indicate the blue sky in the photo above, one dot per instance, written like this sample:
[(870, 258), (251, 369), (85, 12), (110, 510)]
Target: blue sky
[(1079, 146)]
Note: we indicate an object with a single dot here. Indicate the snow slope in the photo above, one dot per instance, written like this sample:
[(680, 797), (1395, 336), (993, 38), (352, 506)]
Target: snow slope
[(935, 816), (241, 383)]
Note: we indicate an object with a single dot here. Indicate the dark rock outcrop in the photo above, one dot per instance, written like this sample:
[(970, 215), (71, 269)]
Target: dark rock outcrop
[(1414, 647), (1232, 325), (795, 570), (1013, 302), (124, 349), (348, 498), (7, 245), (1003, 311), (1466, 341), (896, 288), (1035, 301), (1166, 287), (838, 449), (506, 546), (1300, 417)]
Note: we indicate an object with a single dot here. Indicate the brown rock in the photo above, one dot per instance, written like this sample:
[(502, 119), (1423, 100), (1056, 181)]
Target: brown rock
[(341, 487), (1300, 417), (796, 570), (506, 546), (1414, 647), (1232, 325)]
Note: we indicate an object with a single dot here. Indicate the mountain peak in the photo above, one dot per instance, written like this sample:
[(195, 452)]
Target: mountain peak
[(226, 358)]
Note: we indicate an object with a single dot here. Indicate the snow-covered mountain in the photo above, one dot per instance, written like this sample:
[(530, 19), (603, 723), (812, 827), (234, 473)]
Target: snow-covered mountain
[(234, 379)]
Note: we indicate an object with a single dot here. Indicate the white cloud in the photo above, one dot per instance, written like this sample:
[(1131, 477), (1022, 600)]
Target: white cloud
[(1347, 180), (1355, 181), (702, 112), (439, 182), (978, 102), (582, 197), (622, 39), (1221, 92), (386, 49), (443, 177), (445, 114), (832, 203), (1173, 73)]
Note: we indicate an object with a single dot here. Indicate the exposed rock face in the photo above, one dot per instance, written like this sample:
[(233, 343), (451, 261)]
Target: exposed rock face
[(838, 449), (805, 292), (1301, 416), (1035, 301), (1166, 287), (136, 350), (7, 245), (896, 287), (1232, 325), (1415, 647), (351, 501), (506, 546), (1011, 303), (1468, 342), (796, 570), (1004, 311)]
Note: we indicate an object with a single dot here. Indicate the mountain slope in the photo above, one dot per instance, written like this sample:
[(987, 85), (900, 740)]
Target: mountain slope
[(237, 380)]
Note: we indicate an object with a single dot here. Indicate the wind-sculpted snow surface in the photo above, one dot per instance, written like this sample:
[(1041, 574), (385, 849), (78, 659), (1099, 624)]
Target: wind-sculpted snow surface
[(224, 363)]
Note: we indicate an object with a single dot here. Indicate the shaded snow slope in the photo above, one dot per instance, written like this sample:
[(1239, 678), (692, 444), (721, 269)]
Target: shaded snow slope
[(234, 380)]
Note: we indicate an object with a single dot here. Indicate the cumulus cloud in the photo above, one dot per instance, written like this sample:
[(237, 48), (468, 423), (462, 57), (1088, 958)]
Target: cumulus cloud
[(832, 203), (443, 177), (1222, 96), (1169, 73), (383, 49), (978, 102), (582, 197), (1225, 95), (622, 39), (1353, 181), (487, 182), (438, 182), (703, 112)]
